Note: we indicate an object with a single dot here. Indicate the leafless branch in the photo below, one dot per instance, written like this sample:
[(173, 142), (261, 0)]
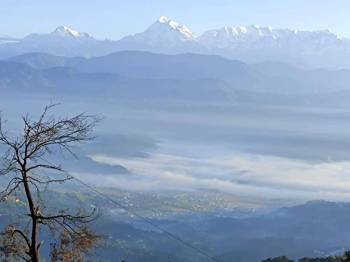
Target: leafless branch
[(26, 158)]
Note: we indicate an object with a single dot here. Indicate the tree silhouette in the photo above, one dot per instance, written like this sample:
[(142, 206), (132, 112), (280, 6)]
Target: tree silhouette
[(26, 164)]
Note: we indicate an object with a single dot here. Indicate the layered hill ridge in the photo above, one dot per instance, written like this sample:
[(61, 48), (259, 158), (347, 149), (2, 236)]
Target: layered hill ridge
[(195, 78)]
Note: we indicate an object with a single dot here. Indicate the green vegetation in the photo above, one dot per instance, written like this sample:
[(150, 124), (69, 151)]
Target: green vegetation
[(343, 258)]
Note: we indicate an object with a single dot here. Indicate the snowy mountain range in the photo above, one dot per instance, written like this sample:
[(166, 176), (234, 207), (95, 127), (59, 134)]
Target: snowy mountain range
[(250, 44)]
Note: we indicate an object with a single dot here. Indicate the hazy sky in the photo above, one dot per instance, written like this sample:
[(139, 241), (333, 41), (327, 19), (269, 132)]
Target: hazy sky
[(116, 18)]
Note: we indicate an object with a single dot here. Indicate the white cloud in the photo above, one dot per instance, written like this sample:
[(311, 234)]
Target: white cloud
[(243, 174)]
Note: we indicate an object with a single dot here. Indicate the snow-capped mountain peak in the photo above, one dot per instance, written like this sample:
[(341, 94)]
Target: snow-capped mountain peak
[(164, 35), (164, 22), (66, 31), (163, 19)]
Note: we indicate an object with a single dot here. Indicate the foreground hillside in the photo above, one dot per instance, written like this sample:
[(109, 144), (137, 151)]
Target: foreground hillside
[(293, 231)]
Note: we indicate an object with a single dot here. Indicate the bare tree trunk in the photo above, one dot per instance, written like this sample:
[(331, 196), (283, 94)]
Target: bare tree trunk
[(33, 249)]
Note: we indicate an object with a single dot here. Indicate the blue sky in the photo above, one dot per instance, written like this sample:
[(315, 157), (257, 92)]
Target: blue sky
[(116, 18)]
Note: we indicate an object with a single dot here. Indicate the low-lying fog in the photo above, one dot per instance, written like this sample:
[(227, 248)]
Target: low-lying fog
[(268, 153)]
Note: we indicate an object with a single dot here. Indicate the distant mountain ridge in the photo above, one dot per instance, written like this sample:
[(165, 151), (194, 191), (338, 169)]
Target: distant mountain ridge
[(268, 77), (252, 44)]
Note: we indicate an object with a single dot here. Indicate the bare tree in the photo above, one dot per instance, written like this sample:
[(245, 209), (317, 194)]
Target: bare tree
[(27, 165)]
